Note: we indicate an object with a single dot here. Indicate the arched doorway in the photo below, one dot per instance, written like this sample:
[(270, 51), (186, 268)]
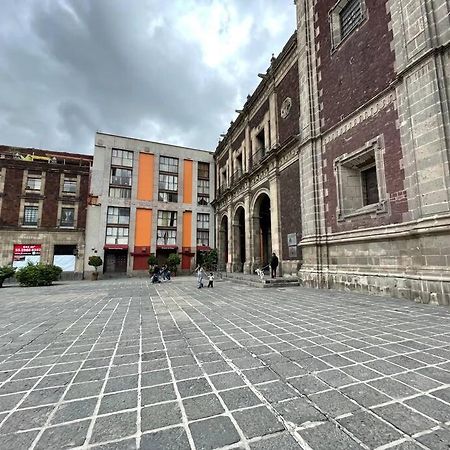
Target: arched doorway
[(239, 240), (223, 243), (262, 231)]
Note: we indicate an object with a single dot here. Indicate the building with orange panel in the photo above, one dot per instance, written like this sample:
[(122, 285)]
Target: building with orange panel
[(148, 198)]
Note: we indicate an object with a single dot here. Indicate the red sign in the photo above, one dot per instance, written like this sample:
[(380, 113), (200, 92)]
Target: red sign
[(27, 249)]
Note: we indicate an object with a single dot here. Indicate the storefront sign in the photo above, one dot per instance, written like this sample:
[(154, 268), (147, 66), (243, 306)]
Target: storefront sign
[(25, 253)]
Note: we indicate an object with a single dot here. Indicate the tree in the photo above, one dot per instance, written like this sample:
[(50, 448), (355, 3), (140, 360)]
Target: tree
[(152, 260), (172, 262), (6, 272), (95, 261)]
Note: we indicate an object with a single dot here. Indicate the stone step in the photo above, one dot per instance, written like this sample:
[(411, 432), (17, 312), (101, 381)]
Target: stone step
[(267, 282)]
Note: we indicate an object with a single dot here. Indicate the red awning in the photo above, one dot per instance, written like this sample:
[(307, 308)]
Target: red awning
[(115, 247), (167, 247), (203, 248)]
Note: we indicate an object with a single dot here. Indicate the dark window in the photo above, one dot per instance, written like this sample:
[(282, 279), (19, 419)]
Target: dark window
[(168, 182), (166, 237), (203, 238), (370, 186), (118, 215), (121, 176), (30, 215), (170, 197), (167, 164), (121, 158), (67, 217), (34, 183), (203, 170), (117, 192), (350, 17), (203, 221), (167, 219), (70, 186)]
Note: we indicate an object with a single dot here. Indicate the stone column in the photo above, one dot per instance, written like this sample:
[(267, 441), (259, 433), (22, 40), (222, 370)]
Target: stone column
[(248, 237), (275, 220), (230, 241)]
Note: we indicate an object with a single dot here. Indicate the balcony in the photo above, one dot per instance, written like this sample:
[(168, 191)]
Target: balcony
[(237, 175), (258, 157)]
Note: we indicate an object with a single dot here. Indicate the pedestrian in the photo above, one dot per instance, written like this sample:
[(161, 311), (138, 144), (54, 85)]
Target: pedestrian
[(200, 274), (274, 264), (211, 280), (155, 278)]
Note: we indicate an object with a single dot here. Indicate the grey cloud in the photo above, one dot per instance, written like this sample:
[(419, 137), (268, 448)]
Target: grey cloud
[(101, 68)]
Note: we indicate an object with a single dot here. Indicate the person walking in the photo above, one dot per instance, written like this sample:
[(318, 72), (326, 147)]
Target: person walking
[(274, 264), (200, 275), (211, 280)]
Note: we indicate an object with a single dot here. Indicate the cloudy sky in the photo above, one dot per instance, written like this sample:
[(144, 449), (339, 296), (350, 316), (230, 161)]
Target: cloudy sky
[(163, 70)]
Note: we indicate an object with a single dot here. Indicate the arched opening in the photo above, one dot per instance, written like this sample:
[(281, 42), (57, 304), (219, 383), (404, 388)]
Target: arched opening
[(239, 240), (223, 243), (262, 231)]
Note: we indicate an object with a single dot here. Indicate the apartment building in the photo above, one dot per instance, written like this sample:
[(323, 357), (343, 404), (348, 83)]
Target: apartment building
[(148, 198), (43, 200)]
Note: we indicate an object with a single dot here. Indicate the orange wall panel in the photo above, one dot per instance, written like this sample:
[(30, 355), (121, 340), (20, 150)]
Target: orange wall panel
[(187, 181), (187, 229), (145, 176), (143, 231)]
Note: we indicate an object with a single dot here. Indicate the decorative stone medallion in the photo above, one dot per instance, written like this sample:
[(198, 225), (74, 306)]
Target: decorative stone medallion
[(286, 107)]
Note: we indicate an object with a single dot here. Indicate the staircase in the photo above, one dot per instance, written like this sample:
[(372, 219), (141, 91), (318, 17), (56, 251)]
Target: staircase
[(255, 280)]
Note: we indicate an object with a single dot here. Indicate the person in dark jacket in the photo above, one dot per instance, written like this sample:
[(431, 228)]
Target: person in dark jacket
[(274, 264)]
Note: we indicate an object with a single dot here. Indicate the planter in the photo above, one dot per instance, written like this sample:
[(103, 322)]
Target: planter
[(94, 276)]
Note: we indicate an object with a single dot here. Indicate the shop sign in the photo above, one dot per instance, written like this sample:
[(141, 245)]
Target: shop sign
[(25, 253)]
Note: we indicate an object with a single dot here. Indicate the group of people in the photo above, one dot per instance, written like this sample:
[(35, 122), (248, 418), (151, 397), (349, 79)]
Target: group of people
[(201, 274), (160, 274)]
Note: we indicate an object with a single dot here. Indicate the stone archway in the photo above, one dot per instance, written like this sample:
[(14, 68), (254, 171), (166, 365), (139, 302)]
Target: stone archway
[(239, 254), (223, 244), (262, 233)]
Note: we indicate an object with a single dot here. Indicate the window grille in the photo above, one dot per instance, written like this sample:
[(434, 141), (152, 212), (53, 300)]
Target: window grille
[(350, 17)]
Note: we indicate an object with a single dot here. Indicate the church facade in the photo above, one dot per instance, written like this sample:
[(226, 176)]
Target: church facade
[(339, 161)]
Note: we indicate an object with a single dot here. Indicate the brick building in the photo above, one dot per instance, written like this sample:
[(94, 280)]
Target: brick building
[(43, 199), (370, 140), (148, 198), (257, 171)]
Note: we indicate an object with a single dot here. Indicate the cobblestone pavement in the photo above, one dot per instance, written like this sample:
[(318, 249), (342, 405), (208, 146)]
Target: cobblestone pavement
[(123, 364)]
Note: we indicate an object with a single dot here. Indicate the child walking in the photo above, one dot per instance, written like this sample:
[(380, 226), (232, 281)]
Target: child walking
[(211, 280)]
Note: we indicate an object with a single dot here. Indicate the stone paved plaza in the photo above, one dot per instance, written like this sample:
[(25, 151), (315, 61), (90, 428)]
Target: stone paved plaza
[(123, 364)]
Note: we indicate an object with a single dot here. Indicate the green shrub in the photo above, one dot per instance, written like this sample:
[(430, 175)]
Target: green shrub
[(6, 272), (172, 261), (95, 261), (209, 260), (38, 274), (152, 260)]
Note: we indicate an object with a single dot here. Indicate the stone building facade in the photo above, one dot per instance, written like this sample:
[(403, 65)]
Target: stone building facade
[(148, 198), (371, 142), (43, 200), (257, 203)]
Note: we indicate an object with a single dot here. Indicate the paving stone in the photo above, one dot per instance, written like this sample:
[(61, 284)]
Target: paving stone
[(257, 421), (64, 436), (280, 441), (404, 418), (186, 372), (118, 402), (442, 394), (213, 433), (308, 384), (239, 398), (121, 383), (365, 395), (192, 387), (393, 388), (61, 379), (436, 373), (90, 375), (275, 391), (202, 406), (156, 377), (18, 386), (17, 441), (298, 411), (328, 436), (157, 394), (26, 419), (437, 440), (81, 390), (407, 445), (333, 403), (384, 367), (78, 409), (8, 402), (159, 416), (171, 439), (226, 381), (432, 407), (260, 375), (417, 381), (369, 429), (336, 378), (114, 426)]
